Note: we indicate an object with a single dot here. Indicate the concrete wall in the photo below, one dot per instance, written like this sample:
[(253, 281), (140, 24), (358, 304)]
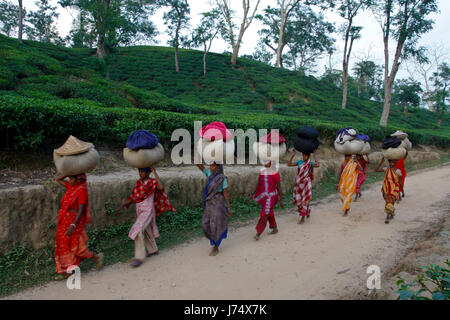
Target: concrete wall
[(28, 215)]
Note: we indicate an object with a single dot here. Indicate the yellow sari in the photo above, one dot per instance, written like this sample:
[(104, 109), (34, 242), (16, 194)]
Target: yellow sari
[(347, 184)]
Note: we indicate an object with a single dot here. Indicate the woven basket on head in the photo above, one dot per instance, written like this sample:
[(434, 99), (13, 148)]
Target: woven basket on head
[(73, 146), (400, 134)]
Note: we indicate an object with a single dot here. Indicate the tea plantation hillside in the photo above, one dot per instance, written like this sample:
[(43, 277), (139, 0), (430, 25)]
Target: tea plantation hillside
[(48, 92)]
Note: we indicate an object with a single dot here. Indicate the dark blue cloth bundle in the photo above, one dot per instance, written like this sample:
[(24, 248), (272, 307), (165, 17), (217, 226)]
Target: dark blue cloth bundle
[(308, 133), (391, 142), (305, 145), (343, 130), (363, 137), (142, 139)]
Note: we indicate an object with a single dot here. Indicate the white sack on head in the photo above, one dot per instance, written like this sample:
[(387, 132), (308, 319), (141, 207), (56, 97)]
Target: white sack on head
[(269, 152), (366, 148), (394, 153), (76, 164), (216, 151), (344, 137), (406, 144), (349, 147), (143, 158)]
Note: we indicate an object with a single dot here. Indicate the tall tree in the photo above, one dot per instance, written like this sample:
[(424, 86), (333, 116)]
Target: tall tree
[(441, 80), (8, 18), (368, 74), (407, 93), (227, 16), (308, 37), (42, 23), (82, 33), (176, 19), (117, 22), (425, 69), (405, 21), (206, 32), (277, 23), (21, 15), (349, 9)]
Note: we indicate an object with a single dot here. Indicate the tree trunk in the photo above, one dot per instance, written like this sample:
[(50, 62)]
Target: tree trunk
[(102, 28), (387, 95), (235, 55), (204, 63), (344, 89), (177, 66), (280, 41), (387, 106), (20, 22), (405, 108), (101, 52)]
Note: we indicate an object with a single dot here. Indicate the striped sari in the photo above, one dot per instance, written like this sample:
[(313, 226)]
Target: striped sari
[(390, 190), (303, 189), (347, 184)]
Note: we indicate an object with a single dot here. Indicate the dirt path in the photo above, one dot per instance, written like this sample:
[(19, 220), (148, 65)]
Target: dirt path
[(325, 258)]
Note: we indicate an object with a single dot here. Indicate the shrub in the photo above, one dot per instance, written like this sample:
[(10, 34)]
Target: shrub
[(433, 280)]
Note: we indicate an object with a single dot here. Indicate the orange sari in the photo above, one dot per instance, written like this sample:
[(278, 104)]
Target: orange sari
[(347, 184), (70, 251)]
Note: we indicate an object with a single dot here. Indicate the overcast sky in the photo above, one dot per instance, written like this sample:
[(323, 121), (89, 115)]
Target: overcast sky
[(370, 45)]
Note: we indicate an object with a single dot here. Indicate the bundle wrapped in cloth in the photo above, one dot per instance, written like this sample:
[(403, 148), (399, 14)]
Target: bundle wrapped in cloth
[(306, 141), (404, 138), (366, 139), (75, 157), (143, 150), (392, 148), (347, 142), (216, 143), (271, 147)]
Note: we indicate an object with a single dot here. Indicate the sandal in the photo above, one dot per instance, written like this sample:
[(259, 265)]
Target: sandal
[(256, 237), (152, 254), (136, 263)]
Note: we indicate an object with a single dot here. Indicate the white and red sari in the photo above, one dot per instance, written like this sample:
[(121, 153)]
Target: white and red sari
[(267, 196), (303, 188)]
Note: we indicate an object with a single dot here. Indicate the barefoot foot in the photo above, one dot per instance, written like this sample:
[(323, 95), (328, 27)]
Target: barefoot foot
[(214, 251)]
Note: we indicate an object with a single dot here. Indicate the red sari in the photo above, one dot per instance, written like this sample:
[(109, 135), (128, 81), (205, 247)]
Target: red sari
[(401, 166), (70, 251), (361, 175), (267, 196)]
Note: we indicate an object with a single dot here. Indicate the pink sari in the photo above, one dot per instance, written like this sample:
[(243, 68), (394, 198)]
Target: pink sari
[(146, 217)]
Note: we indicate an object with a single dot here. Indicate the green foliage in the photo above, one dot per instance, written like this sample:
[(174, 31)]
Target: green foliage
[(433, 280), (50, 92)]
